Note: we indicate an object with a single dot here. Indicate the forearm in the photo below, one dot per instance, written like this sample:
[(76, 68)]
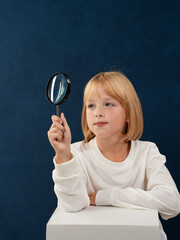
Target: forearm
[(70, 186), (164, 200), (71, 201)]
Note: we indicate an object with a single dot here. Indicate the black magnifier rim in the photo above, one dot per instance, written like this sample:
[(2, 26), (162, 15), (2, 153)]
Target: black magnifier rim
[(67, 91)]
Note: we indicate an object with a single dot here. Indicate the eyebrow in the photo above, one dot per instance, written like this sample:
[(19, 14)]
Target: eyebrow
[(105, 99)]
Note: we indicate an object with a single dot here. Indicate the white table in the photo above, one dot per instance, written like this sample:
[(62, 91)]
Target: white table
[(103, 223)]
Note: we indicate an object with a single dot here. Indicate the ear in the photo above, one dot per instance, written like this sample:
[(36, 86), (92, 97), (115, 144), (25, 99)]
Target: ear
[(127, 120), (127, 117)]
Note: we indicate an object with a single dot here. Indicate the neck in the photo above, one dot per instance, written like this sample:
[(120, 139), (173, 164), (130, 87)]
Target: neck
[(114, 149)]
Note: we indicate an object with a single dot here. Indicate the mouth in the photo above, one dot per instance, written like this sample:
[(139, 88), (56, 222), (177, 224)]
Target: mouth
[(100, 124)]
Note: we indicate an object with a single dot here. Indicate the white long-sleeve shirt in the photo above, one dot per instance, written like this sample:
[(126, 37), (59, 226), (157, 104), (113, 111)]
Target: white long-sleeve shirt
[(140, 181)]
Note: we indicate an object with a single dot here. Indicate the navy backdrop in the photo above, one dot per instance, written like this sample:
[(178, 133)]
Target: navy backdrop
[(80, 38)]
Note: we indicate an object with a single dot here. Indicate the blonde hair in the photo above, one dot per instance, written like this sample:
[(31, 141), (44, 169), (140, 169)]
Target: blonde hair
[(116, 85)]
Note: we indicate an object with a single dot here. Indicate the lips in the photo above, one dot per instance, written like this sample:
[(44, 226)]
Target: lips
[(100, 124)]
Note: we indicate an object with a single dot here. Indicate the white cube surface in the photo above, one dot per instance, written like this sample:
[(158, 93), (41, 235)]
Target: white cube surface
[(104, 223)]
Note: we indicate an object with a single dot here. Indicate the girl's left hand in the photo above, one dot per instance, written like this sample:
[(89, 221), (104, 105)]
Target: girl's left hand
[(92, 198)]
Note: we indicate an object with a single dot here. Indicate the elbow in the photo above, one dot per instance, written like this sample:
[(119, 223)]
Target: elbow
[(169, 214), (72, 205), (173, 208)]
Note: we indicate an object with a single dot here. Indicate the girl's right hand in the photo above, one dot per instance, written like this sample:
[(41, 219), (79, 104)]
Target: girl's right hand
[(59, 136)]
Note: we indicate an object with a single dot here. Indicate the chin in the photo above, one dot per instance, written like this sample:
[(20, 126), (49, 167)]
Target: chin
[(101, 136)]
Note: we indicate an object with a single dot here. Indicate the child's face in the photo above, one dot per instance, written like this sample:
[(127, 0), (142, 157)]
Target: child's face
[(105, 115)]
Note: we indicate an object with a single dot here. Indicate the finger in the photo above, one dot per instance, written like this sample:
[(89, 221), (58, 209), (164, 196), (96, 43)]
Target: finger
[(56, 119), (55, 137), (58, 125), (56, 130), (64, 121), (59, 138)]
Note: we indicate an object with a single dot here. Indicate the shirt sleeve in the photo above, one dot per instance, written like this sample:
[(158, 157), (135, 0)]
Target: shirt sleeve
[(161, 192), (70, 186)]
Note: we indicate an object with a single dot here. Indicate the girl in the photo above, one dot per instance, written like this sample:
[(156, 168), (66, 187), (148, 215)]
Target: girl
[(111, 166)]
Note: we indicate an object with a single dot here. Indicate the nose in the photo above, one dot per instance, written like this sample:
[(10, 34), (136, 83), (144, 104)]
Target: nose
[(99, 112)]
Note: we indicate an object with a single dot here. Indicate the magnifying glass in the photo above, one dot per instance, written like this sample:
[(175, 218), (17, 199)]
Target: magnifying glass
[(58, 89)]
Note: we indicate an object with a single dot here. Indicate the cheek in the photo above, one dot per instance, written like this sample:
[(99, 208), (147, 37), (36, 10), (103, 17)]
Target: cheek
[(118, 118), (88, 117)]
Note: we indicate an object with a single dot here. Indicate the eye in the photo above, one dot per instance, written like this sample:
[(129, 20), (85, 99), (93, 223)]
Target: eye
[(90, 106), (109, 104)]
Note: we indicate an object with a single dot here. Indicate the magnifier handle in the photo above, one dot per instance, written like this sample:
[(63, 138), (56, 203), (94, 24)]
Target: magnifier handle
[(58, 110)]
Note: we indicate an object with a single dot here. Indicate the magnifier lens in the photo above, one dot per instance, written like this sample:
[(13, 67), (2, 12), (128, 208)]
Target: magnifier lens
[(57, 88)]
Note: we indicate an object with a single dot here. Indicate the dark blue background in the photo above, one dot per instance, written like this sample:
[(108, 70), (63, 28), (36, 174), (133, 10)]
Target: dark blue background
[(80, 38)]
